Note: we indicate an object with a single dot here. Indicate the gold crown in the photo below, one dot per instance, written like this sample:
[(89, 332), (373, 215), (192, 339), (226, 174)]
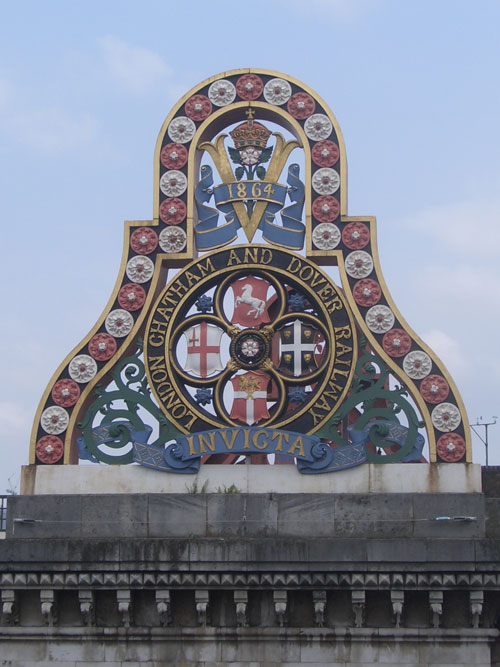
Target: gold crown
[(250, 133)]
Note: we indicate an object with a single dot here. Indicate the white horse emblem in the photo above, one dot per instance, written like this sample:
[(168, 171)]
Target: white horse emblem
[(257, 305)]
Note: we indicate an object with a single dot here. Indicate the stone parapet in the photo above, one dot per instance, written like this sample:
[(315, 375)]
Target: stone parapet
[(397, 515)]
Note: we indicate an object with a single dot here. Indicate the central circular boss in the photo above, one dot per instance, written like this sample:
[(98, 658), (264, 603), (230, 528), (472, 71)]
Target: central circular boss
[(250, 348)]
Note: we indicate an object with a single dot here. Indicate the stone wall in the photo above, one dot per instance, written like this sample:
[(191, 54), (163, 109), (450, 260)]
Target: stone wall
[(250, 579)]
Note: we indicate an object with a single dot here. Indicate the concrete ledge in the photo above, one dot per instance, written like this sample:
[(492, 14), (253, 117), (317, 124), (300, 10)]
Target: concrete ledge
[(368, 478)]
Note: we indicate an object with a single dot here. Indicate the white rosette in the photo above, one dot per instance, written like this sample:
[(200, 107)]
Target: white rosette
[(119, 323), (379, 319), (277, 91), (172, 239), (358, 264), (326, 236), (417, 365), (82, 368), (181, 130), (140, 269), (318, 127), (446, 417), (221, 93), (326, 181), (54, 420), (173, 183)]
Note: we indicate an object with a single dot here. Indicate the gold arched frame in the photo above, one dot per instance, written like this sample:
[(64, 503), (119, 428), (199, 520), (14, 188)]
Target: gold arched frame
[(165, 261)]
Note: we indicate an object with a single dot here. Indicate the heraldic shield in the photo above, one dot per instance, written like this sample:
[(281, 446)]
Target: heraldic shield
[(226, 333)]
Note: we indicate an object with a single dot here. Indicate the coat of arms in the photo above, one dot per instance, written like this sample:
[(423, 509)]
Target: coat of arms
[(250, 196)]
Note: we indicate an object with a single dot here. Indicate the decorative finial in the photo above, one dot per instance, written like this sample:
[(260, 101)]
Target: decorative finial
[(250, 113)]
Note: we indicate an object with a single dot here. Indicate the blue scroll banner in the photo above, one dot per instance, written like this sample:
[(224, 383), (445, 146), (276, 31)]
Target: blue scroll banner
[(184, 455), (209, 234), (312, 456)]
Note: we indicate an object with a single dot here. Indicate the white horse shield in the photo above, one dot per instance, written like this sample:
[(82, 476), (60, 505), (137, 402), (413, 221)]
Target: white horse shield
[(250, 301)]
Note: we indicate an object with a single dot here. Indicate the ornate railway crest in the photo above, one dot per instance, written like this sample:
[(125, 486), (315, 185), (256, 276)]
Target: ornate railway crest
[(251, 347)]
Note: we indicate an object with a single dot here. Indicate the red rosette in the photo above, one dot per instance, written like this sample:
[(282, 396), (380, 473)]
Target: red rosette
[(325, 153), (356, 235), (396, 343), (144, 240), (434, 389), (249, 86), (198, 107), (301, 106), (172, 211), (174, 156), (102, 347), (65, 392), (131, 297), (450, 447), (49, 449), (326, 209), (367, 292)]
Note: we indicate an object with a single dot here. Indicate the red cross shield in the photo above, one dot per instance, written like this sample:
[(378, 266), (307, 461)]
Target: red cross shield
[(203, 349), (250, 301), (250, 397)]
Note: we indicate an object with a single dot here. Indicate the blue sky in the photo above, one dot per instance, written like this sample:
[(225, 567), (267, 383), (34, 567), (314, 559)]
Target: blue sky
[(84, 89)]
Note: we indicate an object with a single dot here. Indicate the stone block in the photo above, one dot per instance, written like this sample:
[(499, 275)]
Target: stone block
[(487, 551), (177, 515), (44, 663), (491, 481), (201, 651), (492, 517), (325, 552), (369, 478), (373, 515), (51, 516), (121, 516), (279, 552), (86, 552), (403, 552), (167, 554), (426, 507), (218, 554), (260, 649), (127, 651), (74, 651), (315, 663), (439, 653), (452, 550), (306, 514), (234, 514)]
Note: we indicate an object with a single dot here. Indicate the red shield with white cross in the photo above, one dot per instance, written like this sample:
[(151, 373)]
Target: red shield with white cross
[(250, 397), (203, 349), (250, 301)]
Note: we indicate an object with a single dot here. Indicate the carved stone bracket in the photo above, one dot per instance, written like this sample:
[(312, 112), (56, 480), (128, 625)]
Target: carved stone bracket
[(87, 606), (163, 607), (9, 607), (124, 600), (436, 605), (47, 606), (397, 601), (319, 602), (280, 606), (358, 607), (241, 602), (476, 606), (201, 599)]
